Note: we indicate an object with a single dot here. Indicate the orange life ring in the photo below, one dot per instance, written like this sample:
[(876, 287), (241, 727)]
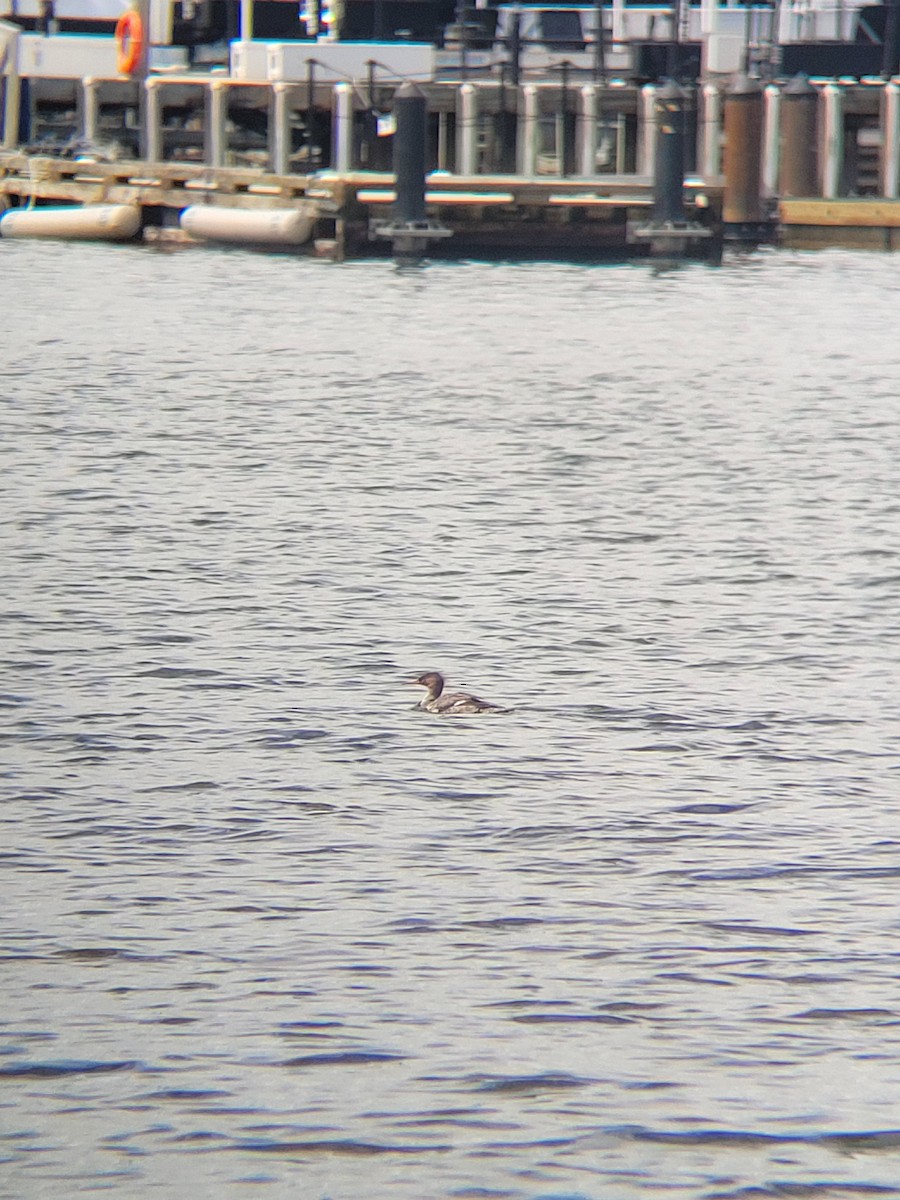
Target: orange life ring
[(129, 41)]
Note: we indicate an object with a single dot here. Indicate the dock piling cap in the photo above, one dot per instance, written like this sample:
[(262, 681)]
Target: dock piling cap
[(743, 85), (409, 91), (669, 92), (799, 86)]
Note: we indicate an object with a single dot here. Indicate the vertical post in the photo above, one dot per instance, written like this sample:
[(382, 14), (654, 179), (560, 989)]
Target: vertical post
[(141, 74), (246, 33), (25, 109), (143, 8), (443, 142), (709, 16), (833, 135), (9, 87), (379, 148), (90, 108), (462, 33), (331, 16), (153, 108), (409, 154), (343, 128), (368, 151), (890, 59), (673, 51), (587, 131), (217, 98), (514, 48), (619, 19), (748, 40), (505, 122), (12, 106), (310, 112), (771, 139), (711, 132), (742, 202), (668, 180), (621, 143), (409, 229), (691, 125), (799, 161), (785, 23), (772, 60), (281, 128), (467, 130), (565, 125), (599, 44), (890, 155), (530, 123), (647, 130)]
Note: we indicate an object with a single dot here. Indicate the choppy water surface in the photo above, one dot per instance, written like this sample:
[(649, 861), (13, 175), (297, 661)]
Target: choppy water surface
[(269, 931)]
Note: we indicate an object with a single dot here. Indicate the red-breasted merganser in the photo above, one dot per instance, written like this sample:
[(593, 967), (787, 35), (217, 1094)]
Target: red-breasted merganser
[(450, 704)]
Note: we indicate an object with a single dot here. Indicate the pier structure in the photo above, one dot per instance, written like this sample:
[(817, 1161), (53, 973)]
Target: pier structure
[(565, 162), (550, 166)]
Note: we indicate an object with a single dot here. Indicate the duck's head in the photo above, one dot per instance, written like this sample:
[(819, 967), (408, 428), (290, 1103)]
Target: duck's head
[(431, 680)]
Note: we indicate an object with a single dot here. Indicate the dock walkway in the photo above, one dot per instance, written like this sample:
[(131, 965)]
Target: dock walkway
[(507, 212)]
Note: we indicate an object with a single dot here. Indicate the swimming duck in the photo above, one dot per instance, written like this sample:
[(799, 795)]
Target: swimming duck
[(450, 704)]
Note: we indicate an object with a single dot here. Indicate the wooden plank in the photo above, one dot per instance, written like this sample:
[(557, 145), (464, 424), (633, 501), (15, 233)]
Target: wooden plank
[(41, 165), (66, 192), (883, 214)]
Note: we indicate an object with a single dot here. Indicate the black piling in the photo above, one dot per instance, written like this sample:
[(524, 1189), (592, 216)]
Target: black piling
[(890, 59), (410, 115), (409, 229), (567, 124), (668, 183), (673, 233), (514, 47), (503, 148), (26, 112)]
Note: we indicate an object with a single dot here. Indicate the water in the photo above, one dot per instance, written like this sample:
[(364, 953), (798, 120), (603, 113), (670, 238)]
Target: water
[(267, 929)]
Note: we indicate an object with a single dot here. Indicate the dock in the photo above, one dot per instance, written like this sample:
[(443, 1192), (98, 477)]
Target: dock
[(484, 213), (296, 144), (854, 224)]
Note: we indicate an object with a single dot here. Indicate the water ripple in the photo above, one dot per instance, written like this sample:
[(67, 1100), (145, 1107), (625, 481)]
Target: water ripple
[(271, 930)]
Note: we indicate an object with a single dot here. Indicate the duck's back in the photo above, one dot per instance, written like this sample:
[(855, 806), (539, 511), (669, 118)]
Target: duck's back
[(450, 703)]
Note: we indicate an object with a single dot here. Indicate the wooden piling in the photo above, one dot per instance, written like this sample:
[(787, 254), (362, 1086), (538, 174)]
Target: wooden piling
[(799, 166), (742, 205)]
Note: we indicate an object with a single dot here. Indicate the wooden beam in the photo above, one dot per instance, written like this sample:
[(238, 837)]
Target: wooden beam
[(883, 214)]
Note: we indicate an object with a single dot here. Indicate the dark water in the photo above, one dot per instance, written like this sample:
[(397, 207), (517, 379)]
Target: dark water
[(269, 931)]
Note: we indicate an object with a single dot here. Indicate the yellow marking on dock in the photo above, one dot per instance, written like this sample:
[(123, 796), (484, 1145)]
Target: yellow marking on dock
[(883, 214)]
